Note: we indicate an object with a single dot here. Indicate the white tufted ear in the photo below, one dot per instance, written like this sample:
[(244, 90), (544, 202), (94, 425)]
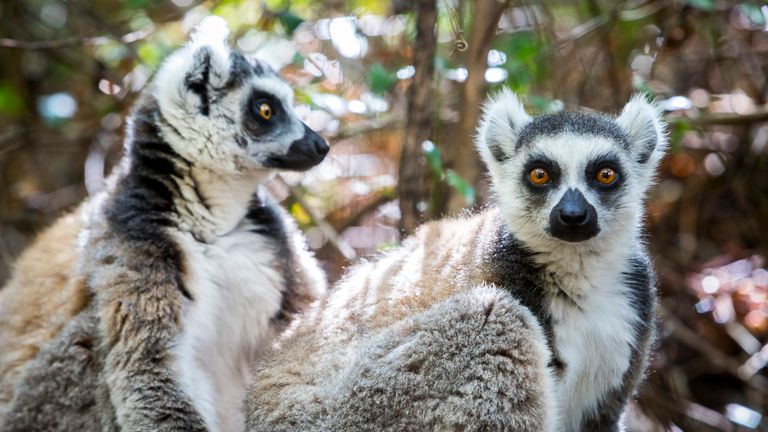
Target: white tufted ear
[(209, 43), (204, 61), (503, 119), (646, 128)]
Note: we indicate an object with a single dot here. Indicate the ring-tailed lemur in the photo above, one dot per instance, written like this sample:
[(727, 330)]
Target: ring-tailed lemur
[(433, 335), (187, 268)]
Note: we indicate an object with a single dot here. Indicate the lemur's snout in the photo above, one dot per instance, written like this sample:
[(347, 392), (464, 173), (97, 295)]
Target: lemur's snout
[(573, 219), (303, 154), (318, 143)]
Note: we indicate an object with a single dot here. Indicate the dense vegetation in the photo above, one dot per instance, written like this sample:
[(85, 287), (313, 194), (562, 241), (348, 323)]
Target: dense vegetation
[(399, 101)]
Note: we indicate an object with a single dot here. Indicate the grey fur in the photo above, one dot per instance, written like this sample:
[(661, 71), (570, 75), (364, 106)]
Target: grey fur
[(459, 365), (382, 351), (117, 364), (69, 366), (574, 122), (451, 349)]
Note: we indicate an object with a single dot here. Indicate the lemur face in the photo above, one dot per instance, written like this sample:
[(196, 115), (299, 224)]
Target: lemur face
[(229, 113), (570, 177)]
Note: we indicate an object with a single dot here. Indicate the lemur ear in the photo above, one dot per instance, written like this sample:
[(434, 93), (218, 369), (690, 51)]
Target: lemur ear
[(646, 128), (210, 58), (183, 80), (503, 119)]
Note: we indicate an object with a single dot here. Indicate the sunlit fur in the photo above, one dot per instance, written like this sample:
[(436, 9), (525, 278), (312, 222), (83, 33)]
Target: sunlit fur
[(596, 322), (430, 336), (486, 322), (208, 132), (186, 267)]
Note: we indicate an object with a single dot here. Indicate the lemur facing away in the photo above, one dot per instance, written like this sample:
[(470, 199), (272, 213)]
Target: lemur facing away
[(454, 330), (182, 270)]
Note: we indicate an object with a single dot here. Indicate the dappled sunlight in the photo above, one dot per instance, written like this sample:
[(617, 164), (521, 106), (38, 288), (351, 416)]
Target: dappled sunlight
[(73, 68)]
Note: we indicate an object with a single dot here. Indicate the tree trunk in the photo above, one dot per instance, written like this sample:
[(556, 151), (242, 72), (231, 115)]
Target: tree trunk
[(415, 180), (460, 154)]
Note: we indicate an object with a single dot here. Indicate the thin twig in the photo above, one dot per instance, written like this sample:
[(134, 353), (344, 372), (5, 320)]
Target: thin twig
[(333, 236), (723, 119), (5, 254), (128, 38), (370, 204), (682, 333), (381, 123)]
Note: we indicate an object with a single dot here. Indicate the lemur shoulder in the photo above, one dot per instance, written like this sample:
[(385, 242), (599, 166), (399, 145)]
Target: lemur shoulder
[(535, 314), (182, 268)]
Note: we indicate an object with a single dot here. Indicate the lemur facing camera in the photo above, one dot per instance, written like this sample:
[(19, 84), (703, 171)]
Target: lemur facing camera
[(182, 270), (454, 330)]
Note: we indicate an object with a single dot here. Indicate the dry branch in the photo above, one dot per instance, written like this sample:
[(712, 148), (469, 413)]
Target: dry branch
[(128, 38), (414, 180)]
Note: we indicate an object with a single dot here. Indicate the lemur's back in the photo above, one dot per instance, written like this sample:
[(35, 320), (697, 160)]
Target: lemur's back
[(460, 328), (432, 306), (40, 298), (179, 271)]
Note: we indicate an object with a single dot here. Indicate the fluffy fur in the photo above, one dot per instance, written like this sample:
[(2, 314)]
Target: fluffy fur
[(184, 269), (38, 300), (348, 363), (426, 338), (604, 316)]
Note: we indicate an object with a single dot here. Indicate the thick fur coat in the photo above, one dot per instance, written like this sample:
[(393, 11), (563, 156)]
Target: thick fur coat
[(430, 337), (142, 311), (535, 314)]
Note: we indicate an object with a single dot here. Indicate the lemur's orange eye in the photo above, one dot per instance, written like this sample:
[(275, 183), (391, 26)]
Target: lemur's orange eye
[(538, 176), (606, 176), (265, 111)]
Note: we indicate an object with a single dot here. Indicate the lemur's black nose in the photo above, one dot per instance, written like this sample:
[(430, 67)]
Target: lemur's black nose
[(302, 154), (319, 144), (573, 219), (574, 209)]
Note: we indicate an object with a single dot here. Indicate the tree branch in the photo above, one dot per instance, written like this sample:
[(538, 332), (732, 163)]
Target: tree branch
[(723, 119), (127, 38), (414, 181)]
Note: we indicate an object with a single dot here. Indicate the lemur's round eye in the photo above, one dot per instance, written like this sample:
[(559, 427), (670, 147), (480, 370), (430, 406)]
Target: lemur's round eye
[(265, 111), (606, 176), (538, 176)]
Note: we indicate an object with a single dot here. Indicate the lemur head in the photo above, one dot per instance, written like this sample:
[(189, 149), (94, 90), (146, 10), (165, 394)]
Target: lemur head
[(228, 113), (571, 177)]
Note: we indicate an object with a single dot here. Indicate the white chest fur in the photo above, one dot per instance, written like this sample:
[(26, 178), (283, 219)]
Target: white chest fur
[(594, 335), (236, 290)]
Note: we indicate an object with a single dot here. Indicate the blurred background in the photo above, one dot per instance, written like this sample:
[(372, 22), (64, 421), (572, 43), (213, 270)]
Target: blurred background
[(396, 87)]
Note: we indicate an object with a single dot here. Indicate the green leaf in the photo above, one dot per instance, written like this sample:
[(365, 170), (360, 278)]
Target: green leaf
[(303, 97), (112, 54), (152, 54), (387, 245), (289, 21), (678, 130), (381, 80), (462, 186), (451, 177), (435, 160), (442, 63), (11, 102), (705, 5), (301, 215), (137, 4), (526, 58), (544, 105), (641, 85), (754, 13)]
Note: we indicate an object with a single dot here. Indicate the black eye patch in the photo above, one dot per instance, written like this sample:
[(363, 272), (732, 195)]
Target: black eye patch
[(254, 123), (548, 165), (606, 193), (597, 164)]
